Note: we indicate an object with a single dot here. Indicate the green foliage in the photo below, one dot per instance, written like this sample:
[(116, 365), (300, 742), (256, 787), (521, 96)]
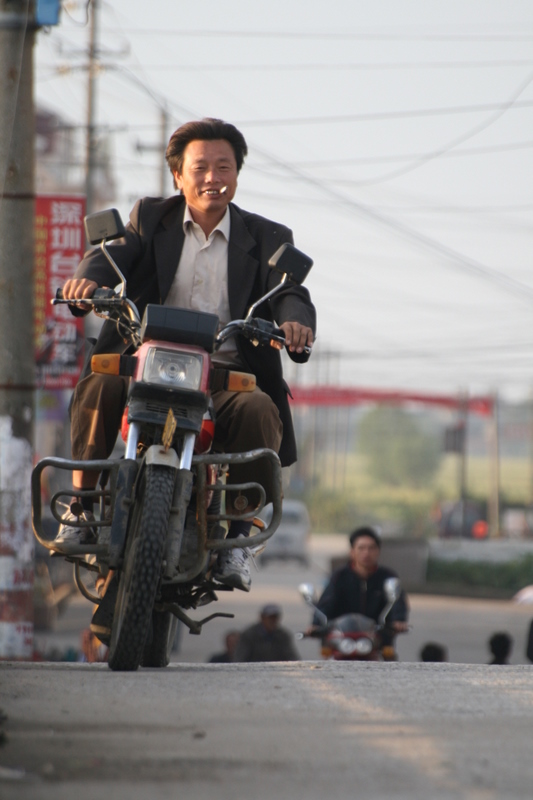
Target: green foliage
[(509, 575), (397, 449), (337, 511)]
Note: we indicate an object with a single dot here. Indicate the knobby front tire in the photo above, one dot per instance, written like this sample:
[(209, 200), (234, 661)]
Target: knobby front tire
[(139, 578), (158, 646)]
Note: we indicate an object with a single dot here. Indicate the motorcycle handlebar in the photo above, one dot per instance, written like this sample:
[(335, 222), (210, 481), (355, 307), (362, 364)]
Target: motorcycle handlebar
[(99, 297), (266, 332)]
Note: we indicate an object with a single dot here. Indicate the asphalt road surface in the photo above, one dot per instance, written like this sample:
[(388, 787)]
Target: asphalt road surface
[(302, 731), (307, 730)]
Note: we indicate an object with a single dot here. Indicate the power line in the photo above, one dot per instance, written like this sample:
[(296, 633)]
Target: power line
[(512, 102), (403, 210), (378, 115), (334, 36), (467, 151), (338, 67)]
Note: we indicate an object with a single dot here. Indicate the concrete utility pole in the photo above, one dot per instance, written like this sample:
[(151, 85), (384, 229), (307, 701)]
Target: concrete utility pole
[(161, 149), (493, 512), (92, 142), (16, 326)]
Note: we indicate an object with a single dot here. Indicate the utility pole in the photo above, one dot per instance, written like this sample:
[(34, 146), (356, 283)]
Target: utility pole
[(161, 149), (462, 479), (493, 516), (92, 142), (17, 31)]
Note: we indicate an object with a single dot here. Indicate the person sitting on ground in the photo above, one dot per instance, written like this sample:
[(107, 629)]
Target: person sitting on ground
[(500, 645), (267, 640), (529, 642), (433, 652), (231, 640)]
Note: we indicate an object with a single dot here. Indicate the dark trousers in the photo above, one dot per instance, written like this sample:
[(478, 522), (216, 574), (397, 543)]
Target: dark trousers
[(244, 421)]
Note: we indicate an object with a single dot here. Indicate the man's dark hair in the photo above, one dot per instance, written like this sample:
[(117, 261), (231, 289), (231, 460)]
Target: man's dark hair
[(206, 129), (358, 532)]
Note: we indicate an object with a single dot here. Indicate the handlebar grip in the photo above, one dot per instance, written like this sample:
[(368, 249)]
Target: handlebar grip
[(97, 296), (279, 335), (103, 294)]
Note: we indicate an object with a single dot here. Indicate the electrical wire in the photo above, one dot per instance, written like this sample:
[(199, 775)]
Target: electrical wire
[(444, 149), (332, 36), (338, 67), (370, 116)]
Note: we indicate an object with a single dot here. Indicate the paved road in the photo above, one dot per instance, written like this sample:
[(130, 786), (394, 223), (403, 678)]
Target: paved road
[(307, 730), (303, 731)]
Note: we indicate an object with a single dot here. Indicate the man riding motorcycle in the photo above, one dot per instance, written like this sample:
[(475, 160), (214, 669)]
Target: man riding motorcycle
[(198, 250), (359, 587)]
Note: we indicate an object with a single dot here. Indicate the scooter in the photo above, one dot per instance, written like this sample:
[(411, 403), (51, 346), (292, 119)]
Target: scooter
[(354, 637), (161, 524)]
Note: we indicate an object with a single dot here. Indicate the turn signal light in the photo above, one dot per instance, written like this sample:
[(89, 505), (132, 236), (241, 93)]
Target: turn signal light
[(106, 364), (276, 345), (240, 382)]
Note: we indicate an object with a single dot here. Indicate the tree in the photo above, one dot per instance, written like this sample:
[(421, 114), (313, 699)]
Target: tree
[(397, 449)]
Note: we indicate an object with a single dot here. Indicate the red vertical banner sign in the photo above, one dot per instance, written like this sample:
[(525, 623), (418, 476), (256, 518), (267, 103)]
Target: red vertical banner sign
[(59, 246)]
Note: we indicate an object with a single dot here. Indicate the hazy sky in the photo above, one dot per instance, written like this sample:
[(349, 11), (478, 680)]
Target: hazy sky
[(394, 138)]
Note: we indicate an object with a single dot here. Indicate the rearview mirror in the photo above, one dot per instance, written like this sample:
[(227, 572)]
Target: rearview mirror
[(307, 591), (291, 262), (104, 226), (392, 589)]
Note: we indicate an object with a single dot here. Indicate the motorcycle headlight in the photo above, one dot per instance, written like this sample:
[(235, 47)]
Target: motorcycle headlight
[(169, 368), (362, 646)]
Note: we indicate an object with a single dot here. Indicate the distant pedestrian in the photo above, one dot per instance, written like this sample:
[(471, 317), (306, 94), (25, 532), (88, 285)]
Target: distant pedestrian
[(529, 645), (267, 640), (231, 640), (500, 645), (433, 652)]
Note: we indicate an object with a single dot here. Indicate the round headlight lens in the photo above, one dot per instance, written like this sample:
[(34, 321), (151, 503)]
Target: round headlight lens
[(169, 368), (362, 646)]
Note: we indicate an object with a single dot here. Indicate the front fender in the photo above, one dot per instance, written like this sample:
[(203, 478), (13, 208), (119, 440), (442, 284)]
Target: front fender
[(156, 454)]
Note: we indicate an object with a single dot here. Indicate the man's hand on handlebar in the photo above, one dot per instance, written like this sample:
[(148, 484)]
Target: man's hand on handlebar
[(399, 627), (297, 336), (79, 289)]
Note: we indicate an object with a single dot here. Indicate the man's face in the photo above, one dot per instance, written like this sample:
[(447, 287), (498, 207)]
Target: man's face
[(208, 167), (270, 622), (365, 554)]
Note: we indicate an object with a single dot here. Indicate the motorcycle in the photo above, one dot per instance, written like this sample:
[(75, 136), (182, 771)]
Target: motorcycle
[(161, 524), (354, 637)]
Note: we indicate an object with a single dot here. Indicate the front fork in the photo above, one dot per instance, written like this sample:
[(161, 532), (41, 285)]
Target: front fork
[(187, 449)]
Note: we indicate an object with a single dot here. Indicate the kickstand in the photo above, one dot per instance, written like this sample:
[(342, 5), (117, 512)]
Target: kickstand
[(194, 626)]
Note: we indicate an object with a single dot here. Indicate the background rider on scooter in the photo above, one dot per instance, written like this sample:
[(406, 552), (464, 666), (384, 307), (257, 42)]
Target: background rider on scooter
[(198, 250), (358, 587)]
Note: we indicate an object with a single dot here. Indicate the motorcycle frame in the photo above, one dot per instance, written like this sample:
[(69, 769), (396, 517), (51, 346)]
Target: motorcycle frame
[(199, 463)]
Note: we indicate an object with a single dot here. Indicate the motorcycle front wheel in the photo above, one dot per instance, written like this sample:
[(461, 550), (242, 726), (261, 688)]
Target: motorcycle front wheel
[(158, 646), (139, 577)]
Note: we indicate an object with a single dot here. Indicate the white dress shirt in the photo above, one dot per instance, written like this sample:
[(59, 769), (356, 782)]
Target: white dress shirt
[(201, 280)]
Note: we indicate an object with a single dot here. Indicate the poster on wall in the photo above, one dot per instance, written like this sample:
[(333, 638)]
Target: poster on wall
[(59, 247)]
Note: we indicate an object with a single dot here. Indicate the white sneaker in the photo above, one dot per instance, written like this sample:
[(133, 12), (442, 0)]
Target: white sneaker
[(72, 534), (234, 568)]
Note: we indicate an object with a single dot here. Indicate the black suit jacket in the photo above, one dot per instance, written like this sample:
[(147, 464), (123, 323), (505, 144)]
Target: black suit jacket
[(149, 255)]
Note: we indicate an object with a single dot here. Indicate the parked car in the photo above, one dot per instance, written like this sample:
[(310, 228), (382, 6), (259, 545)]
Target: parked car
[(292, 538)]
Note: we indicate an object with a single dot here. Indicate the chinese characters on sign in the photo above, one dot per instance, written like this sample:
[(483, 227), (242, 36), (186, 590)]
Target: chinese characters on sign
[(59, 244)]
